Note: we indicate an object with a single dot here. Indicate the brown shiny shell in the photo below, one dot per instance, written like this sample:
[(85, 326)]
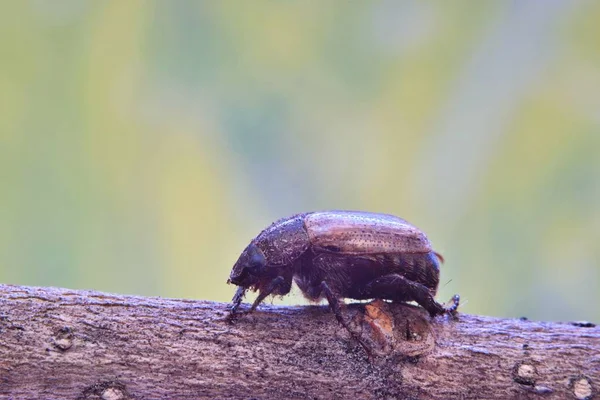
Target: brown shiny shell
[(356, 232)]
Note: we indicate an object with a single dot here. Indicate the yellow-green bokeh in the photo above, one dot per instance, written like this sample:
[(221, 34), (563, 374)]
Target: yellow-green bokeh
[(144, 143)]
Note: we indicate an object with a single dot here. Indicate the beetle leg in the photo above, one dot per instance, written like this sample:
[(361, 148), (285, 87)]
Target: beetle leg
[(273, 285), (451, 309), (235, 302), (397, 287), (237, 299), (334, 303)]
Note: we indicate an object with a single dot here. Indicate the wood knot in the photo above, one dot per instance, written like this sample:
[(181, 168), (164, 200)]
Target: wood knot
[(377, 326), (108, 390), (582, 387), (405, 332), (63, 338), (524, 373), (113, 393)]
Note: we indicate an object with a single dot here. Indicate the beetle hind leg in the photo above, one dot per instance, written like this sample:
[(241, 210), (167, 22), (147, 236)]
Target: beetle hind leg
[(453, 307), (396, 287)]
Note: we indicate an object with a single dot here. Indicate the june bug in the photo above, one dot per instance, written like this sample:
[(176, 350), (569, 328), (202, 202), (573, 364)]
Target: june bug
[(341, 254)]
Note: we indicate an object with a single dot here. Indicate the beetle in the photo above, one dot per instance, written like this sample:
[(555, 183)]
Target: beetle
[(341, 254)]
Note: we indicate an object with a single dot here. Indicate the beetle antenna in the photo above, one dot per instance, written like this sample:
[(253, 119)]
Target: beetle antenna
[(447, 283), (439, 256)]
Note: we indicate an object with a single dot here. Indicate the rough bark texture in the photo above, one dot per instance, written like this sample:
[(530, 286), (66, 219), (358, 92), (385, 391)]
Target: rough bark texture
[(67, 344)]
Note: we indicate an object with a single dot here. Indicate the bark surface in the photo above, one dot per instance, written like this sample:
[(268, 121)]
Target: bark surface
[(67, 344)]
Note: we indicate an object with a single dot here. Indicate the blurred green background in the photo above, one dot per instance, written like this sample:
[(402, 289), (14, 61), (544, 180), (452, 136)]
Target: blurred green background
[(144, 143)]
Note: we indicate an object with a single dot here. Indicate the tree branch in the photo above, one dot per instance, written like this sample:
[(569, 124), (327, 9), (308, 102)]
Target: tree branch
[(67, 344)]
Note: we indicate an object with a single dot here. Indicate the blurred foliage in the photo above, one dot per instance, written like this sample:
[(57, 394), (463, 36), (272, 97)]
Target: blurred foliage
[(143, 144)]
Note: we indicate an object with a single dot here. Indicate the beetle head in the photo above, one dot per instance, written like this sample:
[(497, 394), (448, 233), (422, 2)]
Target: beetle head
[(249, 268)]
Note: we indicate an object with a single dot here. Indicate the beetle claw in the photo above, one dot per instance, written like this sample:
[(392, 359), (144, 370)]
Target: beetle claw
[(453, 307)]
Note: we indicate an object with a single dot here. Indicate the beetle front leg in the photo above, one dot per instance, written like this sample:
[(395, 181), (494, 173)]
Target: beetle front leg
[(275, 284), (237, 298), (236, 301)]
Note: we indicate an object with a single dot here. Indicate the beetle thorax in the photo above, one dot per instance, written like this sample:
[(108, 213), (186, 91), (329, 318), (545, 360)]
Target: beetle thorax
[(284, 241)]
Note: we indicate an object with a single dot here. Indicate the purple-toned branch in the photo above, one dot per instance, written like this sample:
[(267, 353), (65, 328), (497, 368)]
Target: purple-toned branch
[(69, 344)]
